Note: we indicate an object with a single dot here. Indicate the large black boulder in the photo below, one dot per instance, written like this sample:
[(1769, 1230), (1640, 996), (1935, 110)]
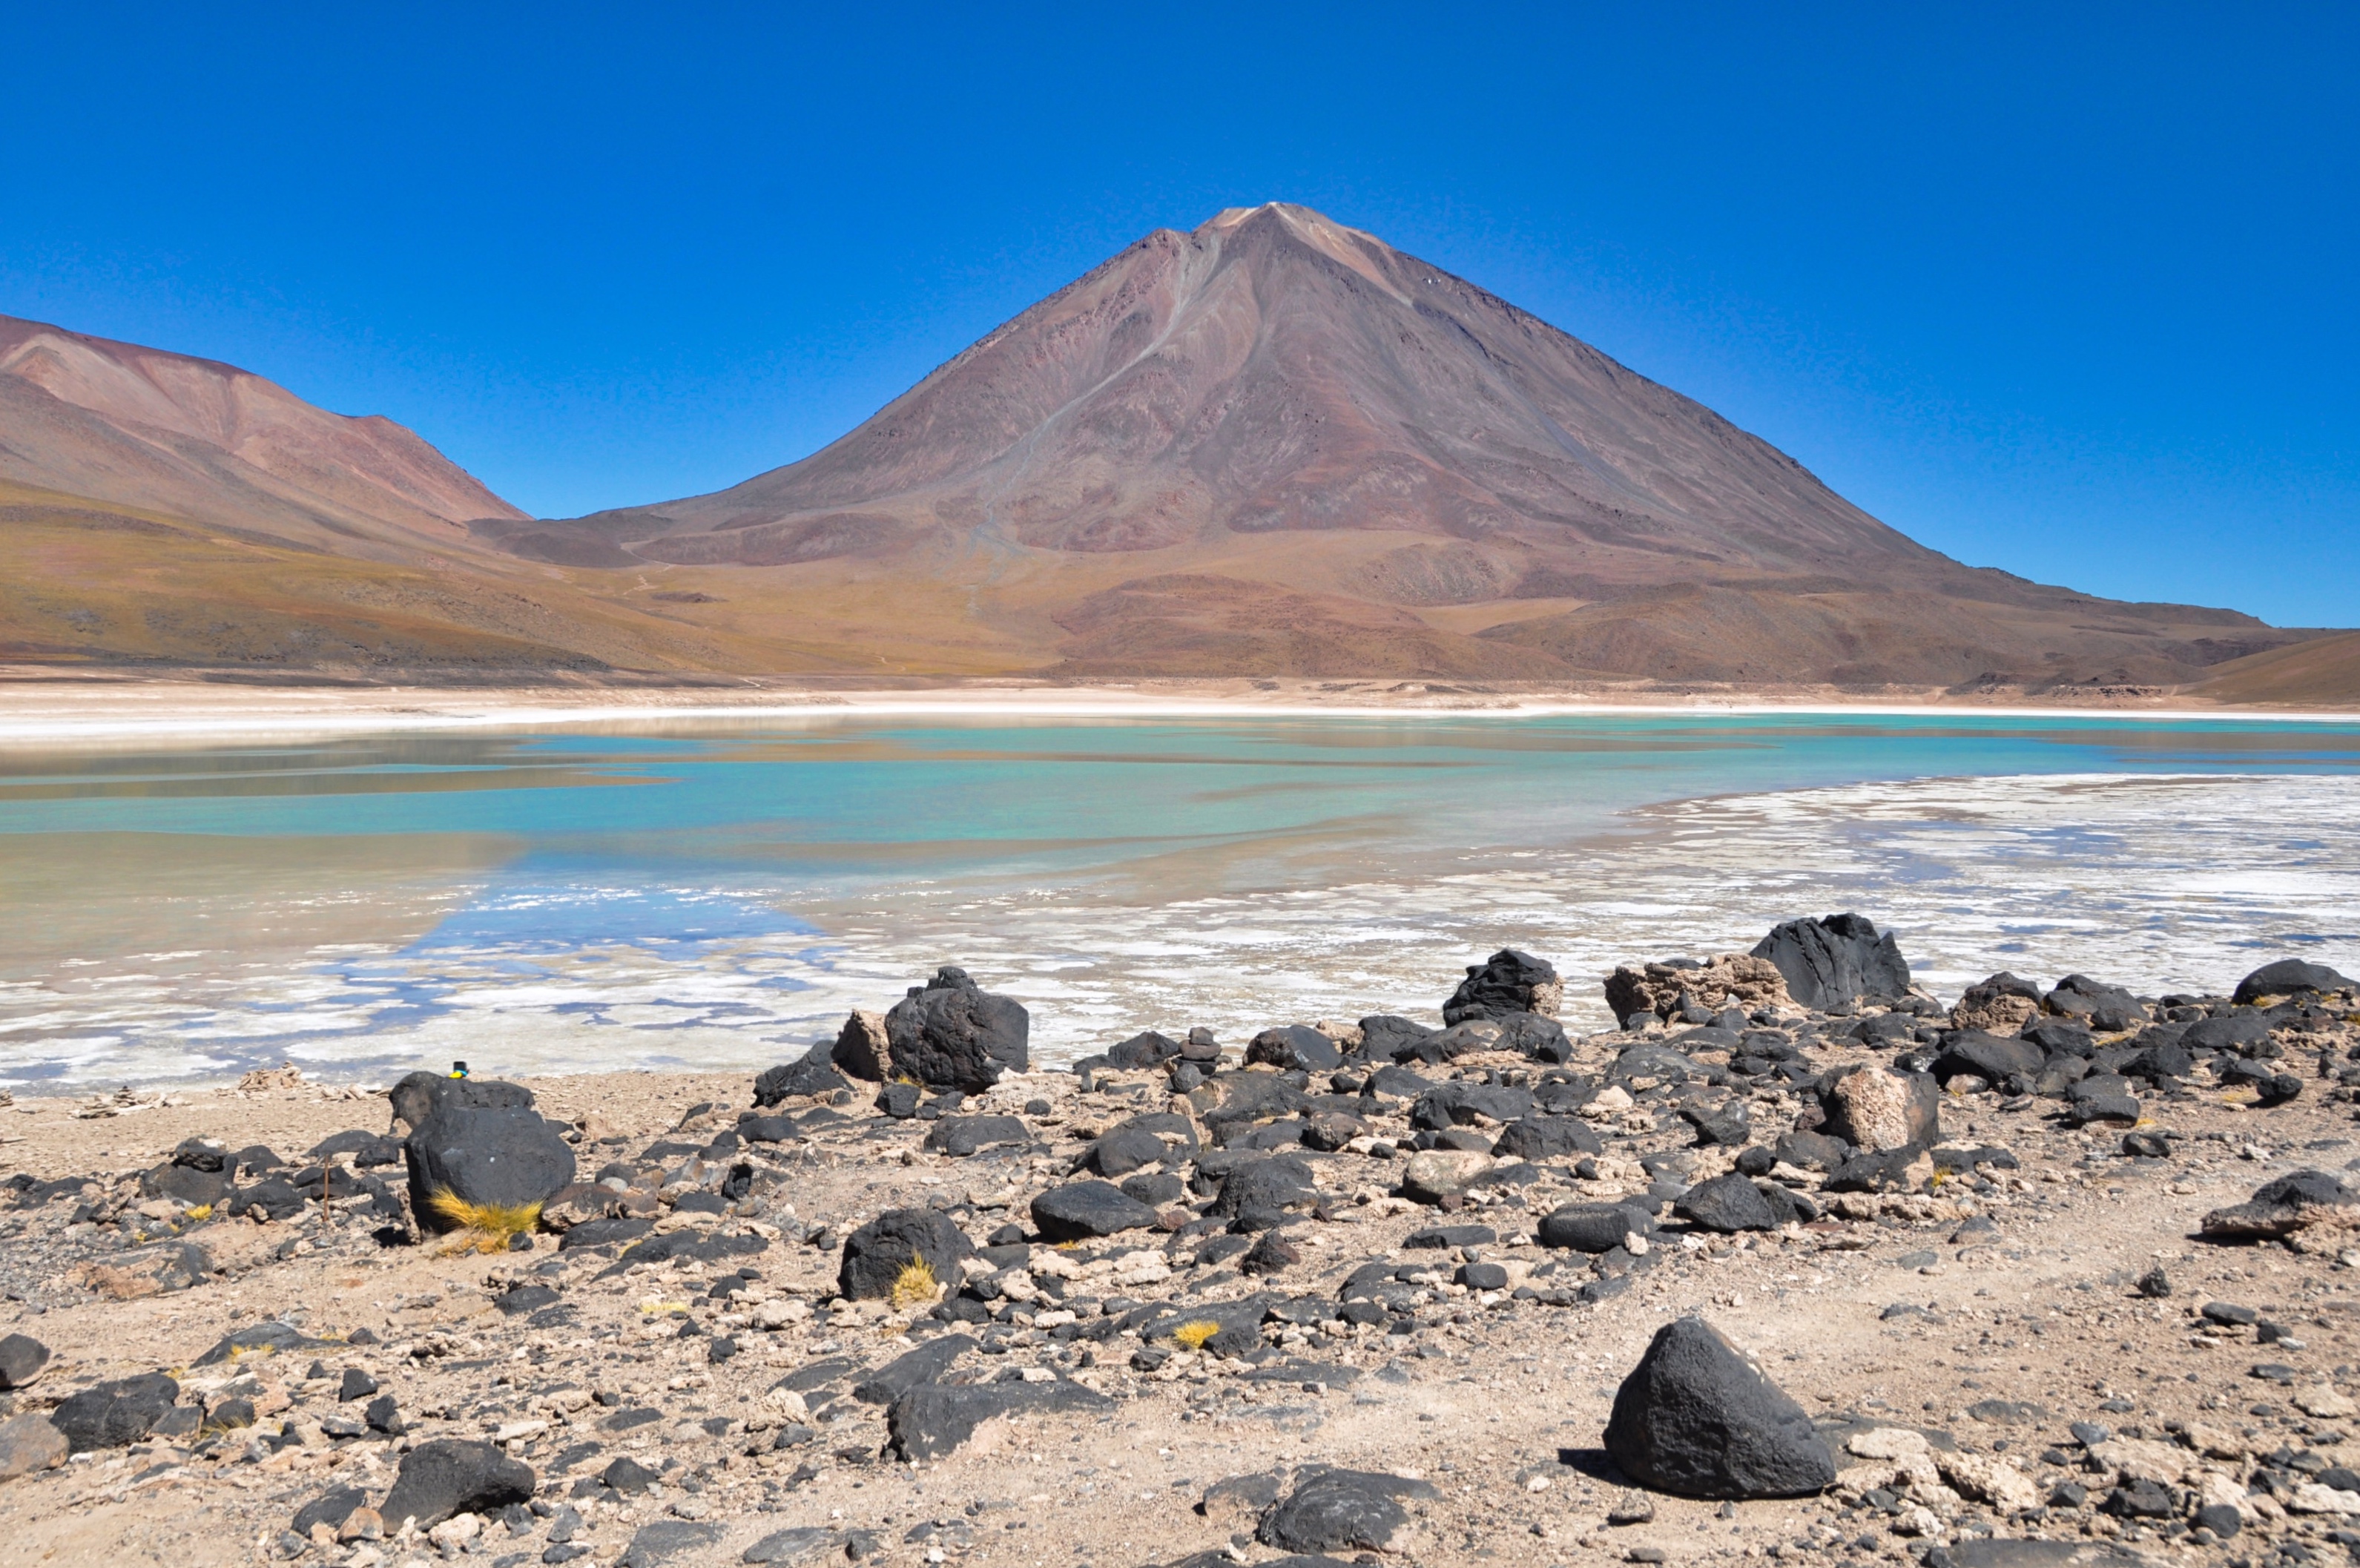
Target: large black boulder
[(454, 1476), (1508, 981), (511, 1158), (952, 1034), (1833, 962), (1697, 1418), (1342, 1509), (115, 1414), (876, 1254), (2288, 977), (1080, 1211), (421, 1094)]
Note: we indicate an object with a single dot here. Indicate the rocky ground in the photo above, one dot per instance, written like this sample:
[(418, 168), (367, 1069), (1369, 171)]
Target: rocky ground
[(1353, 1291)]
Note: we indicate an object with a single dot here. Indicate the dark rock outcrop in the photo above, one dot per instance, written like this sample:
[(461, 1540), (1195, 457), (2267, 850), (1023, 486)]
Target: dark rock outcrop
[(933, 1420), (2278, 1209), (952, 1034), (810, 1076), (2290, 977), (1832, 963), (1080, 1211), (1508, 981), (452, 1475), (876, 1254), (115, 1414), (1350, 1510), (1296, 1046), (21, 1360), (1696, 1417), (510, 1159)]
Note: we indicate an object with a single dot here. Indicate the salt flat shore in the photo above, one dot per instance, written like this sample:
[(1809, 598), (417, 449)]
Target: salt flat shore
[(1338, 1292), (47, 707)]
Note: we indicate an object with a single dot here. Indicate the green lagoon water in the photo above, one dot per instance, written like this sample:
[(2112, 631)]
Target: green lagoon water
[(719, 893)]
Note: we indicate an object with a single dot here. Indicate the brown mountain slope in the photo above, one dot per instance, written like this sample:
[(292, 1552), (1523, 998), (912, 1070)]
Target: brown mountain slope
[(1277, 446), (211, 443), (156, 508), (2322, 673)]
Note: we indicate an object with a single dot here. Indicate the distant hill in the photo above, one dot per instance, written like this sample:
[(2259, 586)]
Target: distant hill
[(1275, 446), (159, 509)]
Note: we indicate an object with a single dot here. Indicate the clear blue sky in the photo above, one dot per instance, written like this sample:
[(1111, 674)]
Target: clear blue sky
[(2065, 290)]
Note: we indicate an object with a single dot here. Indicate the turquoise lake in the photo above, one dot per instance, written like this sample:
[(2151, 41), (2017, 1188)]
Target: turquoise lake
[(719, 893)]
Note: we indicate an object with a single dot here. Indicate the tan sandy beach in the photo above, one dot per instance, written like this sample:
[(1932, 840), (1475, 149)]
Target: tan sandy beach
[(45, 706)]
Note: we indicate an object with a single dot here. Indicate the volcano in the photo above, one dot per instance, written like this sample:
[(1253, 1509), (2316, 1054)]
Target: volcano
[(1277, 446)]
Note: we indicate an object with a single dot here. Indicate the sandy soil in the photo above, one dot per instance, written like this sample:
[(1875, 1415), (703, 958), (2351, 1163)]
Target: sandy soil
[(1886, 1312), (44, 707)]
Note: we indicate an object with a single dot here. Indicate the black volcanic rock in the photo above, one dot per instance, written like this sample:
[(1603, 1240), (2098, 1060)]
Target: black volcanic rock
[(952, 1034), (1697, 1418), (2288, 977), (500, 1158), (1508, 981), (1833, 962)]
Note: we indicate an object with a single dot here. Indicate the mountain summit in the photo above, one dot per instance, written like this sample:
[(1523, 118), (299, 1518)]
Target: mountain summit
[(1277, 445)]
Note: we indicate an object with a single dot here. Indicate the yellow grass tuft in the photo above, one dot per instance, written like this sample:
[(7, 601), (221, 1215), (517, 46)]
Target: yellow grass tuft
[(201, 1211), (915, 1286), (1194, 1335), (484, 1227)]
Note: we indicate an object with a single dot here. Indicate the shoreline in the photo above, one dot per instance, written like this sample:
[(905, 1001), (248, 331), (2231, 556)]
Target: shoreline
[(46, 708), (1329, 1254)]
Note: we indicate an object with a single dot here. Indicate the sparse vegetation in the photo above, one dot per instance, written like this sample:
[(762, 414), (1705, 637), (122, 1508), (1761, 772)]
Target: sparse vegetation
[(484, 1227), (1192, 1335), (915, 1286)]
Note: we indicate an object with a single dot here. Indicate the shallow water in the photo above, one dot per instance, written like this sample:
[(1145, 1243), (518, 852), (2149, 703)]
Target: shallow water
[(711, 895)]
